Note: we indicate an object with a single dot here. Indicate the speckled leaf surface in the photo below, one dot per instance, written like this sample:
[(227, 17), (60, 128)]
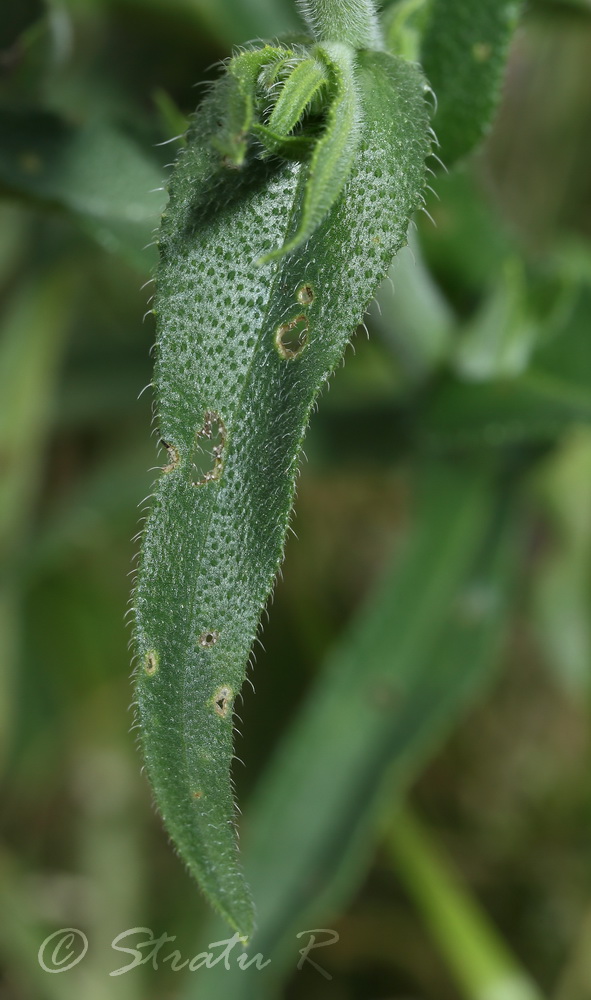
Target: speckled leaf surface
[(243, 351)]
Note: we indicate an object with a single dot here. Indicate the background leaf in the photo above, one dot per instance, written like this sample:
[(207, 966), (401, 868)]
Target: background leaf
[(113, 189), (463, 51)]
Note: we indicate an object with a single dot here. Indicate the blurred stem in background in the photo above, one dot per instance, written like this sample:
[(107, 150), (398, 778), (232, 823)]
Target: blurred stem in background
[(573, 983), (230, 21), (480, 960), (21, 936), (35, 325)]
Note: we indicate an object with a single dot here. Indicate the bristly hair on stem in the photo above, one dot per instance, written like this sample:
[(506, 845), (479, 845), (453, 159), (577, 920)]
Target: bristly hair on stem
[(352, 22)]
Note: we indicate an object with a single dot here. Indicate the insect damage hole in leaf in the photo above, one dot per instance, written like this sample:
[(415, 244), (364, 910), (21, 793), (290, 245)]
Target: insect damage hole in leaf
[(151, 662), (207, 454), (292, 337), (173, 456), (305, 295), (221, 700), (208, 639)]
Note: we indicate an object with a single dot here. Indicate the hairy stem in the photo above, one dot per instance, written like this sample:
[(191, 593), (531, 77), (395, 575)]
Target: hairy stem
[(353, 22)]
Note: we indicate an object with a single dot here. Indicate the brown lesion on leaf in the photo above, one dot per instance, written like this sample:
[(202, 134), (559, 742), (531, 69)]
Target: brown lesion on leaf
[(222, 699), (305, 295), (207, 456), (208, 639), (151, 662), (198, 794), (292, 337), (173, 456)]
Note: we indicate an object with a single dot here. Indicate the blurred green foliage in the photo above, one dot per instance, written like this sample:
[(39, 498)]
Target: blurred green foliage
[(430, 635)]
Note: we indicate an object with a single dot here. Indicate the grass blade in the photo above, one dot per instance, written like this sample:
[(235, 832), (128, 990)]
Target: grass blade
[(484, 967)]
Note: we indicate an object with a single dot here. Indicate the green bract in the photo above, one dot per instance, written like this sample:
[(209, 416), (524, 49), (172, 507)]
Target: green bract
[(302, 169)]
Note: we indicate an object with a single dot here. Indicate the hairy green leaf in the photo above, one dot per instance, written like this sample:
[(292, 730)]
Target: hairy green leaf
[(333, 154), (290, 147), (243, 351), (297, 93), (231, 137)]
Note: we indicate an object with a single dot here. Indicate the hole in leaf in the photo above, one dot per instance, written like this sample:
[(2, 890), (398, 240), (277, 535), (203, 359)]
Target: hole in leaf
[(151, 662), (221, 700), (208, 639), (292, 337), (305, 295), (206, 458), (173, 456)]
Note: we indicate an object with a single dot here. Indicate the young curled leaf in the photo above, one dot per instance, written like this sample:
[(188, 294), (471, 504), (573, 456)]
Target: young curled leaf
[(307, 79), (243, 351), (231, 137), (333, 154), (296, 82), (290, 147)]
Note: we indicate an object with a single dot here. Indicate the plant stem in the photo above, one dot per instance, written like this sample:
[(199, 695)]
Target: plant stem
[(576, 975), (353, 22), (34, 330), (480, 961)]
